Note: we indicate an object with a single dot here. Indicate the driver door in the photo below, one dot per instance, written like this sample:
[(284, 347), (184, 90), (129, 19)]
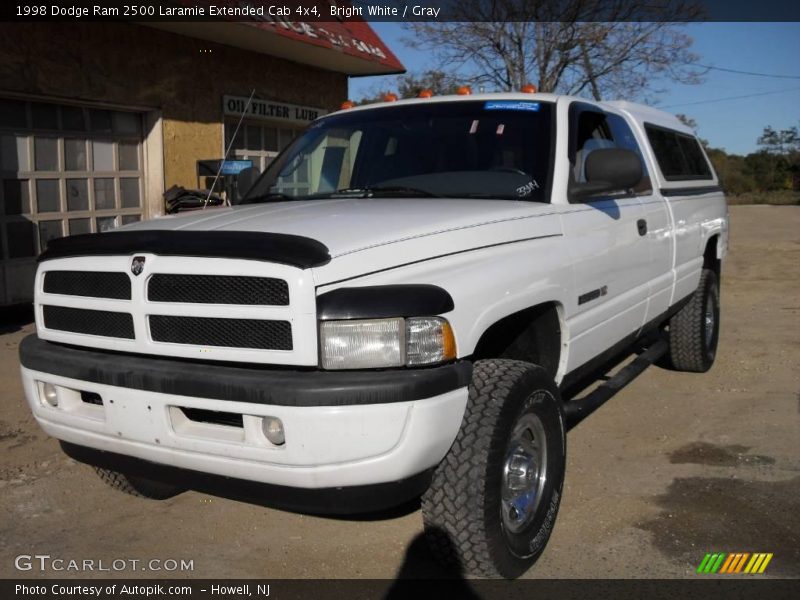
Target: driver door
[(609, 252)]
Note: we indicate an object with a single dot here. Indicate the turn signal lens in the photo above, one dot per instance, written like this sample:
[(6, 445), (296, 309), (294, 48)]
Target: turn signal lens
[(429, 340)]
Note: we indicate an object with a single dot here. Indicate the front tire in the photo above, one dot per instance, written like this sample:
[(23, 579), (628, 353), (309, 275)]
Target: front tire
[(494, 498), (140, 487), (694, 331)]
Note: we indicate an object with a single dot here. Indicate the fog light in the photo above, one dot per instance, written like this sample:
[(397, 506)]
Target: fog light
[(50, 394), (273, 429)]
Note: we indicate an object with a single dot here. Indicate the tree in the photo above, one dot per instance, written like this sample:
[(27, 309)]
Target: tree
[(599, 47), (692, 124), (777, 164), (732, 170), (440, 83), (686, 120), (775, 167), (783, 142)]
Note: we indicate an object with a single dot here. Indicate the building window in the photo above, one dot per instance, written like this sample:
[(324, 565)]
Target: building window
[(258, 142)]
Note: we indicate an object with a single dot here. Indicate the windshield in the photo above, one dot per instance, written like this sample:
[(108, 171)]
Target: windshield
[(475, 149)]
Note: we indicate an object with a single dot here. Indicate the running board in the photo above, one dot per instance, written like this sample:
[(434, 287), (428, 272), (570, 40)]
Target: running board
[(578, 409)]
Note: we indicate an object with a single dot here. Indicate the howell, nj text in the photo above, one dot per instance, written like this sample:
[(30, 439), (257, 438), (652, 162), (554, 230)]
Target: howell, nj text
[(244, 590)]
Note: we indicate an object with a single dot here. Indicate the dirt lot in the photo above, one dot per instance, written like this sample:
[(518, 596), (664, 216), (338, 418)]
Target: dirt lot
[(675, 466)]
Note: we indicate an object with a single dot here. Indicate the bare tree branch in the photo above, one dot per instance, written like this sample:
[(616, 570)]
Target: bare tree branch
[(603, 47)]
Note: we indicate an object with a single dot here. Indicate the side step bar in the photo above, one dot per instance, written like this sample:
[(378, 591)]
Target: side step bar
[(578, 409)]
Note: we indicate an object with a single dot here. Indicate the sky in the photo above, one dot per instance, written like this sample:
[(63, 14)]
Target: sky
[(733, 124)]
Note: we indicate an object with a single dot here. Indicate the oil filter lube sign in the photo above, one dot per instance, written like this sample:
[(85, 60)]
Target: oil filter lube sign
[(269, 111)]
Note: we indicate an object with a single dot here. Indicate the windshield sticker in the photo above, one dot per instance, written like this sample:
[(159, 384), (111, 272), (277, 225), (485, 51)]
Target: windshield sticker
[(527, 189), (512, 105)]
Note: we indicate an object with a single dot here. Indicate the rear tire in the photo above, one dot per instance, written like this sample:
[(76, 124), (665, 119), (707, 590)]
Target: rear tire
[(494, 498), (694, 331), (140, 487)]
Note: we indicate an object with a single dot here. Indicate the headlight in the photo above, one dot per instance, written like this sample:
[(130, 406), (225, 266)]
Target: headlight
[(379, 343)]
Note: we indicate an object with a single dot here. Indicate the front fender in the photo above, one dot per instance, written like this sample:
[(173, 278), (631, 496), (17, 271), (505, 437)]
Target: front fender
[(487, 284)]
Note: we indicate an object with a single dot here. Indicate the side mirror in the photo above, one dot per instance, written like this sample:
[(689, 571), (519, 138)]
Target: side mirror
[(245, 181), (608, 170)]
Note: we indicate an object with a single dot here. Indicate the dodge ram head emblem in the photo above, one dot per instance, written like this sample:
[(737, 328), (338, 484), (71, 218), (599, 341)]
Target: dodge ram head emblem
[(137, 265)]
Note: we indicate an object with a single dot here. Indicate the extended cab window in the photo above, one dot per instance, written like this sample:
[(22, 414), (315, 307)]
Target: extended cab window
[(475, 149), (679, 155), (593, 129)]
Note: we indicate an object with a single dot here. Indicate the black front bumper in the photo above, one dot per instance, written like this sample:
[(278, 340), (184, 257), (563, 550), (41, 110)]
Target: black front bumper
[(243, 383), (348, 500)]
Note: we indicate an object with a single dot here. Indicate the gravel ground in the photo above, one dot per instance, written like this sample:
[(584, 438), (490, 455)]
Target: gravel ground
[(675, 466)]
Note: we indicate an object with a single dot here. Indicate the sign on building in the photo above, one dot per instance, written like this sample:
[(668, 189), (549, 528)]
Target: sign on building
[(270, 110)]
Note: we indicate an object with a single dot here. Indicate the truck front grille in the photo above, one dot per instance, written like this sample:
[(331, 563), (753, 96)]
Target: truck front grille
[(218, 289), (92, 322), (202, 308), (230, 333), (92, 284)]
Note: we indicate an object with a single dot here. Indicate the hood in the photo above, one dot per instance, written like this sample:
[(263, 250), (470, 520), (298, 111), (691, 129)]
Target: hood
[(349, 225)]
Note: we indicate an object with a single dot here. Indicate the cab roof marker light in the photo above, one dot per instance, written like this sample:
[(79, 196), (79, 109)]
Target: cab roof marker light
[(347, 104), (464, 90), (390, 97), (425, 94), (528, 88)]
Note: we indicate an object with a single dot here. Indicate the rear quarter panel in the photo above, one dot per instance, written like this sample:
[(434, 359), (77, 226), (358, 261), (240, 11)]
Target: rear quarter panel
[(697, 208)]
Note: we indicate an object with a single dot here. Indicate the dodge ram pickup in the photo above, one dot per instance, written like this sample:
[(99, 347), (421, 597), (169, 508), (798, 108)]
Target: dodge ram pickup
[(395, 308)]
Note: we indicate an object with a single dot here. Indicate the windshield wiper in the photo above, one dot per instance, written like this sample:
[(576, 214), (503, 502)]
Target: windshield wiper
[(365, 192), (372, 191), (402, 189), (482, 196), (269, 197)]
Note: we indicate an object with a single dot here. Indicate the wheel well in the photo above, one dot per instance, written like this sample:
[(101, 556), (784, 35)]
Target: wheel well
[(532, 335), (710, 260)]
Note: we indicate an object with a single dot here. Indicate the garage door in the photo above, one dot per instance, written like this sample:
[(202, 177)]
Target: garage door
[(64, 170)]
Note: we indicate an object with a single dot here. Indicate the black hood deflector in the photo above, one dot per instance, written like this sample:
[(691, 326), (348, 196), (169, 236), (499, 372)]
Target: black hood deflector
[(293, 250)]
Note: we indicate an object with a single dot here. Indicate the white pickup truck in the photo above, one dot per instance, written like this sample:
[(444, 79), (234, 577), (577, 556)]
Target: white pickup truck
[(397, 307)]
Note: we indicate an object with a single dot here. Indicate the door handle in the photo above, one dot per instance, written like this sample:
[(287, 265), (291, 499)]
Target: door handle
[(641, 225)]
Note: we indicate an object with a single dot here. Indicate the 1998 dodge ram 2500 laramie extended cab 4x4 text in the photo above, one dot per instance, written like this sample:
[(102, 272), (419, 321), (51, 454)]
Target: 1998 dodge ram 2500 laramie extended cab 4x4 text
[(395, 308)]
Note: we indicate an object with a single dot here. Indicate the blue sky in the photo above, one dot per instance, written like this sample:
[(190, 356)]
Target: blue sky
[(734, 124)]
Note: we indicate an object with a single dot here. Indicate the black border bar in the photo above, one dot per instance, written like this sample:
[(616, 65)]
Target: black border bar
[(448, 585), (289, 13)]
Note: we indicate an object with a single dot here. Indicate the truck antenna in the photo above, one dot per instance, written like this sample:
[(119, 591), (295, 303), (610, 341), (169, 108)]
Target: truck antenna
[(228, 149)]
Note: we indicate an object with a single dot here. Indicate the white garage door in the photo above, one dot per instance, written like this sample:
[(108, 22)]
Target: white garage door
[(64, 170)]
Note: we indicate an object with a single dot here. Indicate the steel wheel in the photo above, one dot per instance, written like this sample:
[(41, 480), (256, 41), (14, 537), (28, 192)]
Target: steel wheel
[(524, 473)]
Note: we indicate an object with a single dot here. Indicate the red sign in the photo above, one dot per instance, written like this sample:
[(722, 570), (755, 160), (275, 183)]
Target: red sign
[(347, 33)]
